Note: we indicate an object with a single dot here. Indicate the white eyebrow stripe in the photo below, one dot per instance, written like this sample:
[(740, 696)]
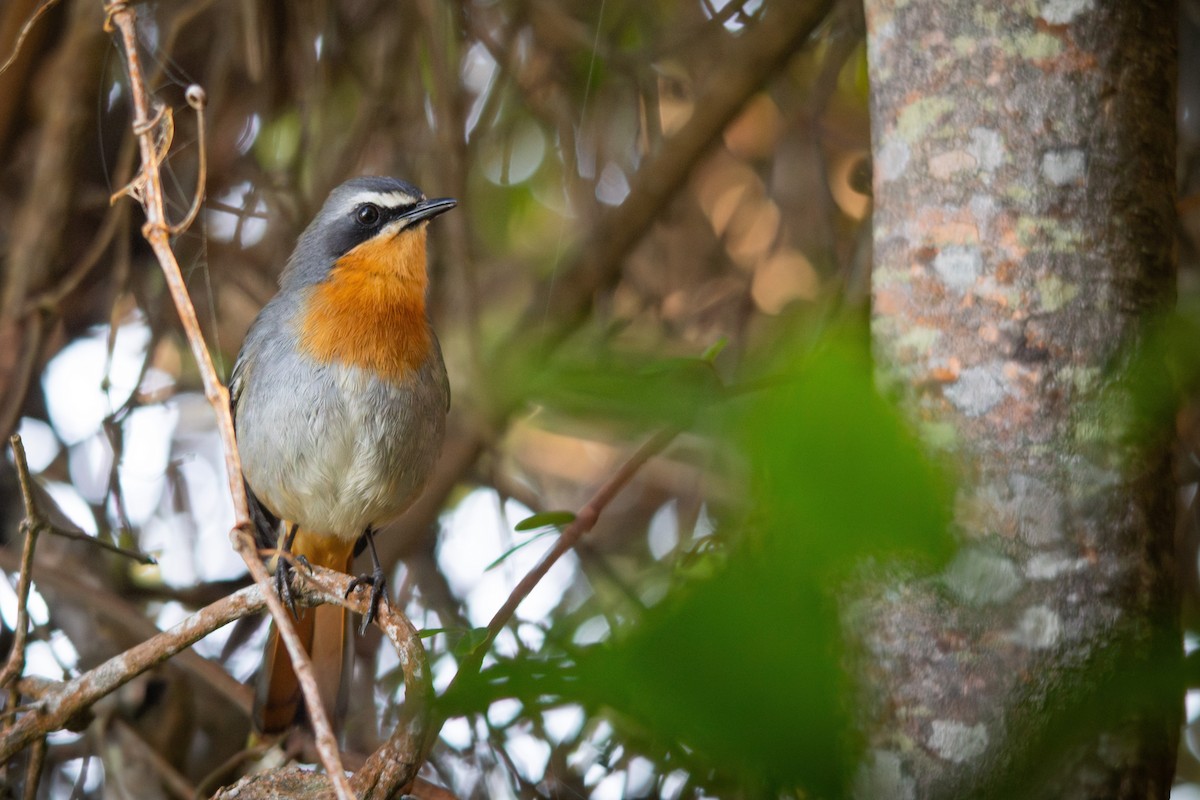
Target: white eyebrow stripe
[(384, 199)]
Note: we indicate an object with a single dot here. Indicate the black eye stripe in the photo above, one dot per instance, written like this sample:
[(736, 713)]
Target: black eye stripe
[(371, 214)]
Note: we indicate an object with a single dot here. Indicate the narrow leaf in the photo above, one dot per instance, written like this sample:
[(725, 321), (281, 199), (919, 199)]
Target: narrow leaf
[(516, 547), (545, 519)]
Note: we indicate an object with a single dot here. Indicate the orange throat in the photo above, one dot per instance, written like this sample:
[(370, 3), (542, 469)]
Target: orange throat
[(369, 312)]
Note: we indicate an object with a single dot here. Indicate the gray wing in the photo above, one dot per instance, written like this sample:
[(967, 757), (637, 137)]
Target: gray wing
[(266, 524)]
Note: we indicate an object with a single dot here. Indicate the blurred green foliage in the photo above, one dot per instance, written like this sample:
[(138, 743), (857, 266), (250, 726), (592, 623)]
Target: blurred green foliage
[(1162, 372), (738, 673)]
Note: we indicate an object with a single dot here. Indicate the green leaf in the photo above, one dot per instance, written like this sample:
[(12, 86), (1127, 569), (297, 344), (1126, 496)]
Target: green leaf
[(516, 547), (714, 349), (837, 474), (471, 639), (429, 633), (545, 519)]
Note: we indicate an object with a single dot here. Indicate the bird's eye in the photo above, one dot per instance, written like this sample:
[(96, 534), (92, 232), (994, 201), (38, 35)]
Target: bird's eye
[(367, 214)]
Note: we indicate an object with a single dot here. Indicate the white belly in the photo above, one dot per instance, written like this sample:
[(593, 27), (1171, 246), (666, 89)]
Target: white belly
[(345, 452)]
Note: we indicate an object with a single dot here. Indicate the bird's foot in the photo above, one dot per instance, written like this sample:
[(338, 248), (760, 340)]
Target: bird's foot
[(378, 583), (283, 585)]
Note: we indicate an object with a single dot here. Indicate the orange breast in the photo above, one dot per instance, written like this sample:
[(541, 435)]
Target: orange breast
[(370, 311)]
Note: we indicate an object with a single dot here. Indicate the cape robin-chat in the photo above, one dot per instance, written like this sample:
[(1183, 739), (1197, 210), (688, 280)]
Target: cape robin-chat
[(339, 404)]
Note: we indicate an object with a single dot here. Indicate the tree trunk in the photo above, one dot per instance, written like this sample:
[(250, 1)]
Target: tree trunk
[(1023, 236)]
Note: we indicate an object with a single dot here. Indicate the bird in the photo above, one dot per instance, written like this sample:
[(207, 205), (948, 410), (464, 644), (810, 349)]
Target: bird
[(339, 398)]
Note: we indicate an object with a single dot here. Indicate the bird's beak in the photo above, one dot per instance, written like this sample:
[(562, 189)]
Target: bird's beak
[(428, 209)]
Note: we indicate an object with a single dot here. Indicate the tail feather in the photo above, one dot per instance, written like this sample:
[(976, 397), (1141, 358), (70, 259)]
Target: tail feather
[(322, 631)]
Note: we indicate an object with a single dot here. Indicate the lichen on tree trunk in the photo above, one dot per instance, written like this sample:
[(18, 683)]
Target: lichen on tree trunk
[(1023, 237)]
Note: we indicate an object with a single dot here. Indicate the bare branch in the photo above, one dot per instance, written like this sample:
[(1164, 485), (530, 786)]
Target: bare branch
[(157, 232), (394, 765), (584, 521), (33, 770), (25, 29), (31, 525), (57, 706), (35, 327), (115, 612)]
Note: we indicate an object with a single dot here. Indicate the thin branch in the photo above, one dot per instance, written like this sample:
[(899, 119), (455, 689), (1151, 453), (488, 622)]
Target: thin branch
[(116, 613), (584, 521), (10, 412), (57, 706), (58, 703), (80, 536), (33, 770), (31, 525), (25, 29), (157, 231), (196, 98)]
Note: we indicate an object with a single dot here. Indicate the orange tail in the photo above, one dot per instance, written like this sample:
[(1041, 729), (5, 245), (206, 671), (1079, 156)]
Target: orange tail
[(322, 631)]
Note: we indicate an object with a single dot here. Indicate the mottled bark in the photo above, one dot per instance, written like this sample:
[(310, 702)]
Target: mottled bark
[(1023, 233)]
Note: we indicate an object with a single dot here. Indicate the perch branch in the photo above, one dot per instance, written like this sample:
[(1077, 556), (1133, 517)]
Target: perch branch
[(57, 703), (157, 232), (131, 624)]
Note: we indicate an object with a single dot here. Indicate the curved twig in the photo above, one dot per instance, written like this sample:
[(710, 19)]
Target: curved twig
[(121, 16), (196, 98), (25, 29)]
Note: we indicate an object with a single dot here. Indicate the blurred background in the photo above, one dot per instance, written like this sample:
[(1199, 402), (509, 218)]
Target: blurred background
[(662, 207)]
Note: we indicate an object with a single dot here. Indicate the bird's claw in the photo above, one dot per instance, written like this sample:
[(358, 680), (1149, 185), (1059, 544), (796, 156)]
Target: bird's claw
[(283, 585), (378, 583)]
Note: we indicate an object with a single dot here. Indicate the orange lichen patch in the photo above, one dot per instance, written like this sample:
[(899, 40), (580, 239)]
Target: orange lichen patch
[(945, 373), (955, 232), (1009, 241), (946, 165), (1014, 373), (941, 226), (887, 302), (1006, 272), (370, 310)]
